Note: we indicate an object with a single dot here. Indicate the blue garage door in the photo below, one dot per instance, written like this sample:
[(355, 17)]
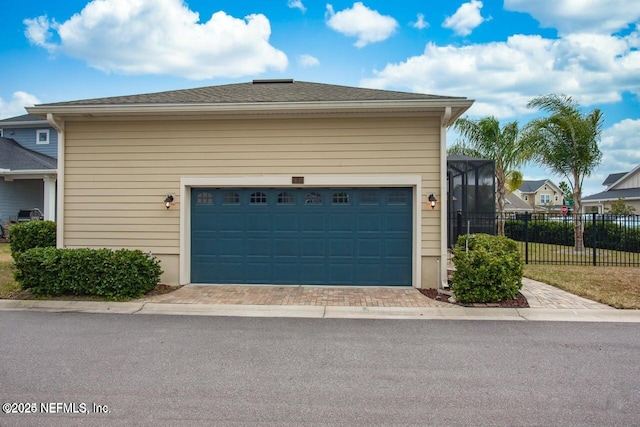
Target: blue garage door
[(344, 236)]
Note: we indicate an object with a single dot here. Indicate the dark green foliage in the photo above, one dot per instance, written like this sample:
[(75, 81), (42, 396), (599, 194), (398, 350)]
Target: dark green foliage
[(491, 271), (614, 233), (115, 275), (32, 234)]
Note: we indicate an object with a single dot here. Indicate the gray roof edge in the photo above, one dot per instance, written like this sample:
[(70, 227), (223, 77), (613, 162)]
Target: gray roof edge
[(624, 193), (305, 91), (39, 159), (25, 120)]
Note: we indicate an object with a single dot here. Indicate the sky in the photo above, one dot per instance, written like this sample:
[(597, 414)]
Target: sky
[(499, 53)]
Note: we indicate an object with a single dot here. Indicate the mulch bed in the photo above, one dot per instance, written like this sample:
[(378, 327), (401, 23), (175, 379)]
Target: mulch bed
[(519, 302)]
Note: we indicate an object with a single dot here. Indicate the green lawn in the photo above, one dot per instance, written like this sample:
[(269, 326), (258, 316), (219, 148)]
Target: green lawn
[(8, 286), (616, 286), (547, 254)]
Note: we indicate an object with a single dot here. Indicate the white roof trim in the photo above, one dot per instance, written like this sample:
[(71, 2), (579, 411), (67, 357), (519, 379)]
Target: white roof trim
[(634, 170), (411, 105)]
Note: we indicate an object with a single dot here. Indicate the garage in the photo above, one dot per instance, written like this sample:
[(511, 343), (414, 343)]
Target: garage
[(302, 236)]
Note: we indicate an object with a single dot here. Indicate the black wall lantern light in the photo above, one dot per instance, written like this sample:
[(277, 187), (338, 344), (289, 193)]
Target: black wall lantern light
[(432, 201), (168, 201)]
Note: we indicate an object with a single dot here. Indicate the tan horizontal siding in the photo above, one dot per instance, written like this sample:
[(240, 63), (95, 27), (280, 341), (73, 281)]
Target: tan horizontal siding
[(118, 173)]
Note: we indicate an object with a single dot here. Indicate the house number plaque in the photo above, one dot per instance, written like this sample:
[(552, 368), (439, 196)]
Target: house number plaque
[(297, 179)]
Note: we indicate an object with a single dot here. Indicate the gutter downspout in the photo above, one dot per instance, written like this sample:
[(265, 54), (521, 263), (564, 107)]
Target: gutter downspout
[(443, 198), (59, 126)]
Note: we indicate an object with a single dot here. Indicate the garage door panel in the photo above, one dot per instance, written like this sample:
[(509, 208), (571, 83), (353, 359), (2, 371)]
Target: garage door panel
[(228, 271), (341, 273), (313, 248), (369, 248), (285, 222), (286, 248), (369, 223), (354, 236), (341, 248), (259, 246), (396, 248), (341, 222)]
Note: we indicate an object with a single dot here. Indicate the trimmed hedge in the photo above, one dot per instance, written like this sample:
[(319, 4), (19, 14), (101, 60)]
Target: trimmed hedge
[(32, 234), (491, 271), (115, 275), (608, 235)]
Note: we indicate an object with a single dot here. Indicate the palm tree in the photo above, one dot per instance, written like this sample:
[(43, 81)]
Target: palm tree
[(484, 138), (567, 143)]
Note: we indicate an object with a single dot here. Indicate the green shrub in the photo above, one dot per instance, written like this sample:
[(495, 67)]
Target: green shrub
[(32, 234), (115, 275), (608, 234), (491, 271)]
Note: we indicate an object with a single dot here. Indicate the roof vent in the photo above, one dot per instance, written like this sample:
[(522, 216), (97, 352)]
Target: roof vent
[(266, 81)]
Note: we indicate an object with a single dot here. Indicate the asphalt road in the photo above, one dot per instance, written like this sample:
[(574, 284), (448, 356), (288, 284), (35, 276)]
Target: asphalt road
[(193, 370)]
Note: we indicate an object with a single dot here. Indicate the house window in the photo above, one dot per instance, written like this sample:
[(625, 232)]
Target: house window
[(341, 198), (258, 198), (545, 198), (313, 199), (369, 198), (204, 198), (1, 133), (231, 198), (42, 136), (397, 198), (286, 198)]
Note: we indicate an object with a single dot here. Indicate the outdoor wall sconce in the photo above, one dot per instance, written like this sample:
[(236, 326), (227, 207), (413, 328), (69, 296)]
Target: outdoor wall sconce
[(432, 200), (168, 202)]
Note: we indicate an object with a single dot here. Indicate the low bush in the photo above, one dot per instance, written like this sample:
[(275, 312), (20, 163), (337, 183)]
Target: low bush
[(490, 271), (115, 275), (32, 234)]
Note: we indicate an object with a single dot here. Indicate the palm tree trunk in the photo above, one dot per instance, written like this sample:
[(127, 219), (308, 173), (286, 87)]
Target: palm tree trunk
[(500, 196), (578, 224)]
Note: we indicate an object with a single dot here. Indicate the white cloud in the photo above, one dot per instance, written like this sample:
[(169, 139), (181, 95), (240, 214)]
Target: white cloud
[(420, 23), (620, 153), (297, 4), (570, 16), (307, 61), (367, 25), (161, 37), (15, 106), (466, 18), (504, 76)]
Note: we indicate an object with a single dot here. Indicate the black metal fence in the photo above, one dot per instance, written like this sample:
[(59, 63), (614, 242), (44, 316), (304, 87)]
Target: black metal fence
[(550, 238)]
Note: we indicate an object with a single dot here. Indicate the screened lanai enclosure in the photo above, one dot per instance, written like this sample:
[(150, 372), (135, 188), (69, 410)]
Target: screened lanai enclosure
[(471, 196)]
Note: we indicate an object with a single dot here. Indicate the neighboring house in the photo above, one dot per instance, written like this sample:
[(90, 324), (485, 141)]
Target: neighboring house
[(541, 196), (266, 182), (625, 185), (28, 167), (513, 203)]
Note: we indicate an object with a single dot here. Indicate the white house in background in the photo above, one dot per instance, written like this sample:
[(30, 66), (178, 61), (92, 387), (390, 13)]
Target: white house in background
[(28, 166), (266, 182), (541, 195), (625, 185)]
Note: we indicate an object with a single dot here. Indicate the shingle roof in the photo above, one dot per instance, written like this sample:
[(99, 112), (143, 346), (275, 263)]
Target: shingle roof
[(531, 186), (15, 157), (515, 203), (257, 91), (613, 178), (25, 118), (626, 193)]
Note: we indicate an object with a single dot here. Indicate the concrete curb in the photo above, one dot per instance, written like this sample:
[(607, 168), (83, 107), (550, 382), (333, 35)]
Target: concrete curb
[(327, 312)]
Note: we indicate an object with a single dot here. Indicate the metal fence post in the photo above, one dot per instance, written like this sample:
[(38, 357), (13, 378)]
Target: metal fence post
[(526, 237), (594, 231)]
